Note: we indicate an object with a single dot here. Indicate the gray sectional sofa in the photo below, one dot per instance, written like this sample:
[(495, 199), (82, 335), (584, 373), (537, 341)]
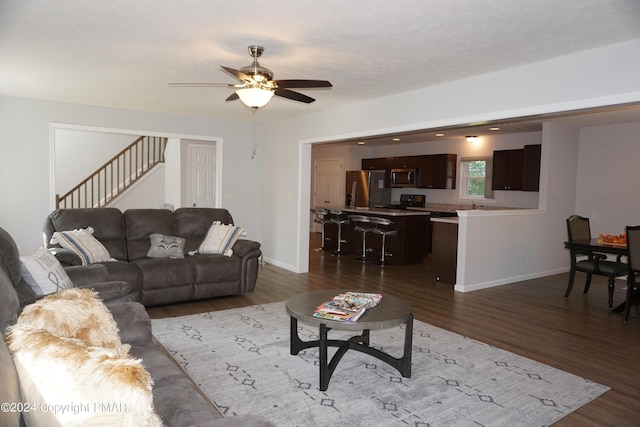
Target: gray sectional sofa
[(177, 400), (157, 281)]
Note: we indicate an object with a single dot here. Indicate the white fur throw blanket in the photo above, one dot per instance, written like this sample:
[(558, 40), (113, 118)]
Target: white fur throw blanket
[(73, 369)]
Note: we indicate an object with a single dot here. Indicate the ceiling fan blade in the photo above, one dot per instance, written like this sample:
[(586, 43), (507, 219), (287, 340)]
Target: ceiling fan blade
[(234, 96), (237, 74), (286, 93), (296, 83), (201, 85)]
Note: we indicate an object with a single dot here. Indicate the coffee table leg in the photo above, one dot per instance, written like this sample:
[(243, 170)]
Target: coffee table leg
[(325, 375), (404, 365)]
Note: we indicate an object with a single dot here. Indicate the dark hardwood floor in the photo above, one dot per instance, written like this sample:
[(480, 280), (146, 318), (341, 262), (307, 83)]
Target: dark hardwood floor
[(530, 318)]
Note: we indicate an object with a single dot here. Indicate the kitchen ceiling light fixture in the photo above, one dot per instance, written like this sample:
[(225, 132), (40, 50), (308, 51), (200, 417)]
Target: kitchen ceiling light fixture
[(254, 97), (472, 138)]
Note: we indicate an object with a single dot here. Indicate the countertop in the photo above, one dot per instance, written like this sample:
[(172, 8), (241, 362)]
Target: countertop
[(378, 211), (436, 208), (450, 219)]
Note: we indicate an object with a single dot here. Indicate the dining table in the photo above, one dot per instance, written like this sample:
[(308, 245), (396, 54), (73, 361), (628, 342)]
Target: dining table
[(596, 246)]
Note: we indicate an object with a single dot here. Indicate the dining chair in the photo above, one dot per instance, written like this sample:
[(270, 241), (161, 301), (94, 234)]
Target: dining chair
[(590, 262), (633, 287)]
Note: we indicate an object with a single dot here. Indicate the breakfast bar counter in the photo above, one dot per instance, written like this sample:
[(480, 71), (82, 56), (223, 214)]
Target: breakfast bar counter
[(406, 247)]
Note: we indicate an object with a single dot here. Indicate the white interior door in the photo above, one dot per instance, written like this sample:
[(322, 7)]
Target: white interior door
[(328, 184), (202, 175)]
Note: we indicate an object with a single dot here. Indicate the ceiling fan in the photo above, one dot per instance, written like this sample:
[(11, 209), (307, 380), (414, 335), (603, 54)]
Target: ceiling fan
[(257, 86)]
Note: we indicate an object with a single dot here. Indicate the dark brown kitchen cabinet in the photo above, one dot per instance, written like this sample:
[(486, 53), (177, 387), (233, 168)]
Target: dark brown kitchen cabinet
[(405, 162), (531, 168), (381, 163), (437, 171), (445, 252), (507, 169)]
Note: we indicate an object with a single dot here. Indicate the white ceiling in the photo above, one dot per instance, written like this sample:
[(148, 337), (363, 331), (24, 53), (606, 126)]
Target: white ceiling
[(123, 53)]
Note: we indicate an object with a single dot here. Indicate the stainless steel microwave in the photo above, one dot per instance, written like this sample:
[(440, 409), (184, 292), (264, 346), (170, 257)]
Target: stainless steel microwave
[(404, 177)]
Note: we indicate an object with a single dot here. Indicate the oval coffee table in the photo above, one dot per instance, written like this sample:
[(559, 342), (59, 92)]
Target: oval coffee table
[(390, 312)]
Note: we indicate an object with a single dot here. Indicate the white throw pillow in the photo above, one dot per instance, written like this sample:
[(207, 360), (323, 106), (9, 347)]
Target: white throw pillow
[(220, 239), (82, 242), (43, 272)]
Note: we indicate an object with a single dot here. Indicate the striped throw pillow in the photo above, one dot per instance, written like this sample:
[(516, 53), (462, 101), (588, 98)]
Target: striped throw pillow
[(82, 242), (220, 239)]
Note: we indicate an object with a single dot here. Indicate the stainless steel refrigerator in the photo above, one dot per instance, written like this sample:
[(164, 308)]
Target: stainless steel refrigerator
[(366, 189)]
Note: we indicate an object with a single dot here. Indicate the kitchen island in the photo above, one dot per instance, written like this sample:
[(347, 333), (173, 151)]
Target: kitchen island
[(407, 247)]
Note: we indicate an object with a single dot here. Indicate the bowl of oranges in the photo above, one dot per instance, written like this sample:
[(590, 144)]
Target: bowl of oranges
[(612, 239)]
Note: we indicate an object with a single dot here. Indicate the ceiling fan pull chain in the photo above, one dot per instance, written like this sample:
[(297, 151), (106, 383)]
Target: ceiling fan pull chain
[(253, 134)]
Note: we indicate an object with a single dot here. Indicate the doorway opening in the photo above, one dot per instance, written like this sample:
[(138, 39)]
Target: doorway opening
[(168, 187)]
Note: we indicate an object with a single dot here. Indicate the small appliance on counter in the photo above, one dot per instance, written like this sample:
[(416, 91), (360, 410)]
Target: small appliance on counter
[(409, 201)]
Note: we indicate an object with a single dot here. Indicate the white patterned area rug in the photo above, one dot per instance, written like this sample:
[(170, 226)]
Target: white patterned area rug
[(241, 360)]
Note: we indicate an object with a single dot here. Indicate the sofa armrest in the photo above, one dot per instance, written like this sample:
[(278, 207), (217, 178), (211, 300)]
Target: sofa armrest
[(242, 247), (111, 292), (133, 322), (67, 257)]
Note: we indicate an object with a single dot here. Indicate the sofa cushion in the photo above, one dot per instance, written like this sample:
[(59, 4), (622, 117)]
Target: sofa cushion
[(215, 268), (162, 273), (43, 272), (166, 246), (141, 224), (193, 223), (220, 239), (107, 223), (191, 409)]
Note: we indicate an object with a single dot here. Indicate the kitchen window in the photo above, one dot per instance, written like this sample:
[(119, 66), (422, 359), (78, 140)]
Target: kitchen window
[(475, 178)]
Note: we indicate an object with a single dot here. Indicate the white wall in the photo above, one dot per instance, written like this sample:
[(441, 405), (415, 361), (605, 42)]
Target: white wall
[(496, 248), (72, 166), (26, 181), (173, 173), (146, 192), (608, 184), (592, 78)]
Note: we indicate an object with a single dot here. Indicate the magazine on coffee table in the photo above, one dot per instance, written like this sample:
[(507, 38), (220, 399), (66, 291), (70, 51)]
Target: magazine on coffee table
[(347, 307)]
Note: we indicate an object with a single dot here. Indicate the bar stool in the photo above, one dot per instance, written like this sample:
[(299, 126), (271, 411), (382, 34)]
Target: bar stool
[(320, 218), (383, 227), (340, 220), (361, 224)]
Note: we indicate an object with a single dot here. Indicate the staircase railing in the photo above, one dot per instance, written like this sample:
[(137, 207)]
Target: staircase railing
[(112, 178)]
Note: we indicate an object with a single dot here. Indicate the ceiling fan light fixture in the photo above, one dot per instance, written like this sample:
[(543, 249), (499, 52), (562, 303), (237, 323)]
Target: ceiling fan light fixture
[(254, 97)]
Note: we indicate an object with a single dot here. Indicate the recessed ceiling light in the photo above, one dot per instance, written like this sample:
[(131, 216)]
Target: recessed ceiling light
[(360, 142), (494, 128), (439, 134), (396, 139)]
